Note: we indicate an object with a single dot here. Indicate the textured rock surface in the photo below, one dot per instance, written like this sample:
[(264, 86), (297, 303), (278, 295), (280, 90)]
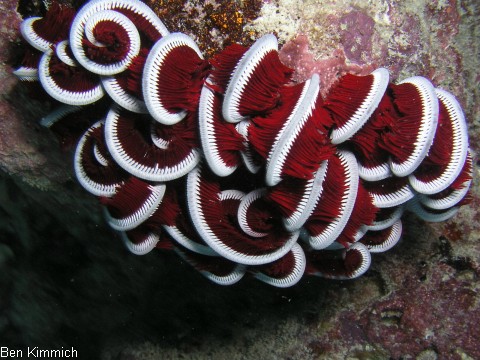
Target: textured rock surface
[(66, 281)]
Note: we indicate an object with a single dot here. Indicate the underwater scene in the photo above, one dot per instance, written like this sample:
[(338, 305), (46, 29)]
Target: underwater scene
[(258, 179)]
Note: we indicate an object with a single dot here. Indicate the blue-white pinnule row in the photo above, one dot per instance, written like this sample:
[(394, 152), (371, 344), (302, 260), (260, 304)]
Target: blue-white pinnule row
[(245, 202), (232, 277), (396, 198), (394, 216), (374, 173), (441, 207), (57, 114), (102, 160), (335, 228), (448, 201), (151, 78), (61, 50), (25, 73), (195, 206), (392, 239), (362, 114), (207, 117), (428, 125), (93, 187), (241, 75), (188, 243), (310, 197), (425, 214), (291, 129), (155, 172), (31, 36), (247, 154), (366, 260), (122, 97), (459, 151), (50, 85), (143, 247), (101, 10), (88, 34), (149, 206), (293, 276)]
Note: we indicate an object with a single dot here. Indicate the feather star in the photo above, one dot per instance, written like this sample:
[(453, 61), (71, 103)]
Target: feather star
[(232, 165)]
